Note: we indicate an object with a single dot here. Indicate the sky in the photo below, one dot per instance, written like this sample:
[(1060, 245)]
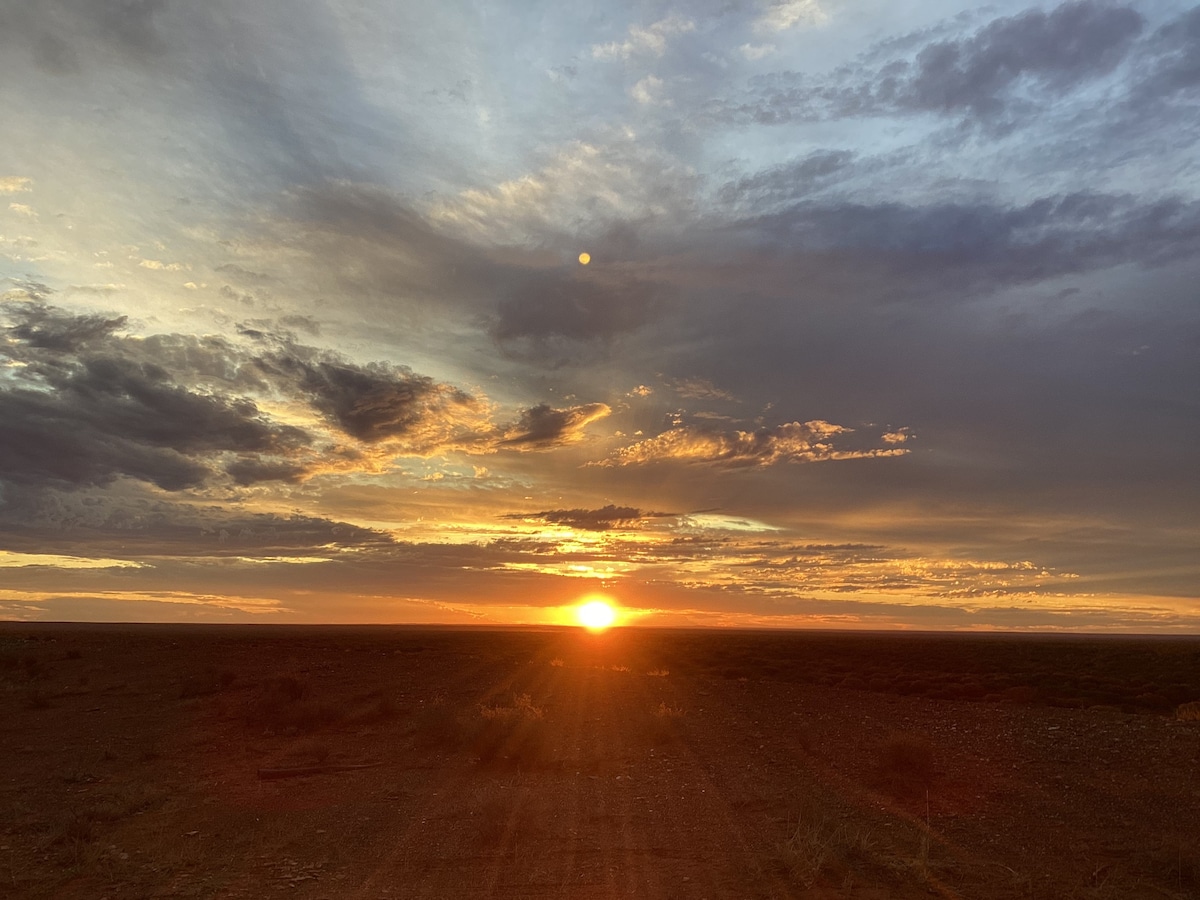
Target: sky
[(890, 316)]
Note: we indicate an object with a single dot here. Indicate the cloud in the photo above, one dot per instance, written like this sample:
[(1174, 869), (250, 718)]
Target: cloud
[(990, 76), (792, 442), (755, 52), (781, 15), (1172, 61), (604, 519), (85, 405), (129, 520), (49, 328), (84, 413), (585, 186), (927, 249), (648, 91), (379, 402), (790, 181), (60, 34), (541, 312), (649, 41), (14, 184), (700, 389), (160, 266), (1073, 43), (543, 427)]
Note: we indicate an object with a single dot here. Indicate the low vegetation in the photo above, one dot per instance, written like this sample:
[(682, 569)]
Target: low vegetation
[(514, 735)]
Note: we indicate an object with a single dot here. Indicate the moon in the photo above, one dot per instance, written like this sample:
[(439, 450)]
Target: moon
[(585, 258)]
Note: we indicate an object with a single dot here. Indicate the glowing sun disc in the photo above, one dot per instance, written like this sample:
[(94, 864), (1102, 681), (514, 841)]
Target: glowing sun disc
[(585, 258), (595, 615)]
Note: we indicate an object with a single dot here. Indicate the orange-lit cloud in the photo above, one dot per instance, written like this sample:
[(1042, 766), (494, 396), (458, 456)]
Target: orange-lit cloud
[(543, 427), (792, 442)]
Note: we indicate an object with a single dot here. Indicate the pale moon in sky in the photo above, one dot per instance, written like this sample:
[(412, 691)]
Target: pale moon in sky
[(585, 258)]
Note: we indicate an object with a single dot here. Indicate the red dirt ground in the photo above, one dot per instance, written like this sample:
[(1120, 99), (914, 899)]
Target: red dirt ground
[(555, 763)]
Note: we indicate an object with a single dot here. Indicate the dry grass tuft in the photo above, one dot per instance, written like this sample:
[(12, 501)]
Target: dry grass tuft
[(522, 708), (823, 847), (1188, 712), (663, 711), (665, 725), (514, 735)]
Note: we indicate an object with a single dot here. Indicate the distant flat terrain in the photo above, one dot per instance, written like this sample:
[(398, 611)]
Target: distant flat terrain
[(245, 762)]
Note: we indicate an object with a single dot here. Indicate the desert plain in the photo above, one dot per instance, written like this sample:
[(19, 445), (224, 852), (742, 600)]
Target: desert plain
[(404, 762)]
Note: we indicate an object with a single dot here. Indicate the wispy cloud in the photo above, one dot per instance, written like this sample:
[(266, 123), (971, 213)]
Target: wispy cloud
[(650, 40)]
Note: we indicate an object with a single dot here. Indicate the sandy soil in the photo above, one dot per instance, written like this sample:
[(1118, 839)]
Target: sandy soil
[(254, 762)]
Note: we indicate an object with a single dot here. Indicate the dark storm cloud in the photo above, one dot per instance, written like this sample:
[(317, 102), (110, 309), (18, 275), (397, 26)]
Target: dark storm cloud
[(378, 401), (106, 417), (987, 76), (605, 518), (81, 412), (543, 427), (48, 328), (253, 470)]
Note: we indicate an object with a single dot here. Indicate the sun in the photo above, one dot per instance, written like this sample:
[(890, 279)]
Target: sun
[(595, 614)]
